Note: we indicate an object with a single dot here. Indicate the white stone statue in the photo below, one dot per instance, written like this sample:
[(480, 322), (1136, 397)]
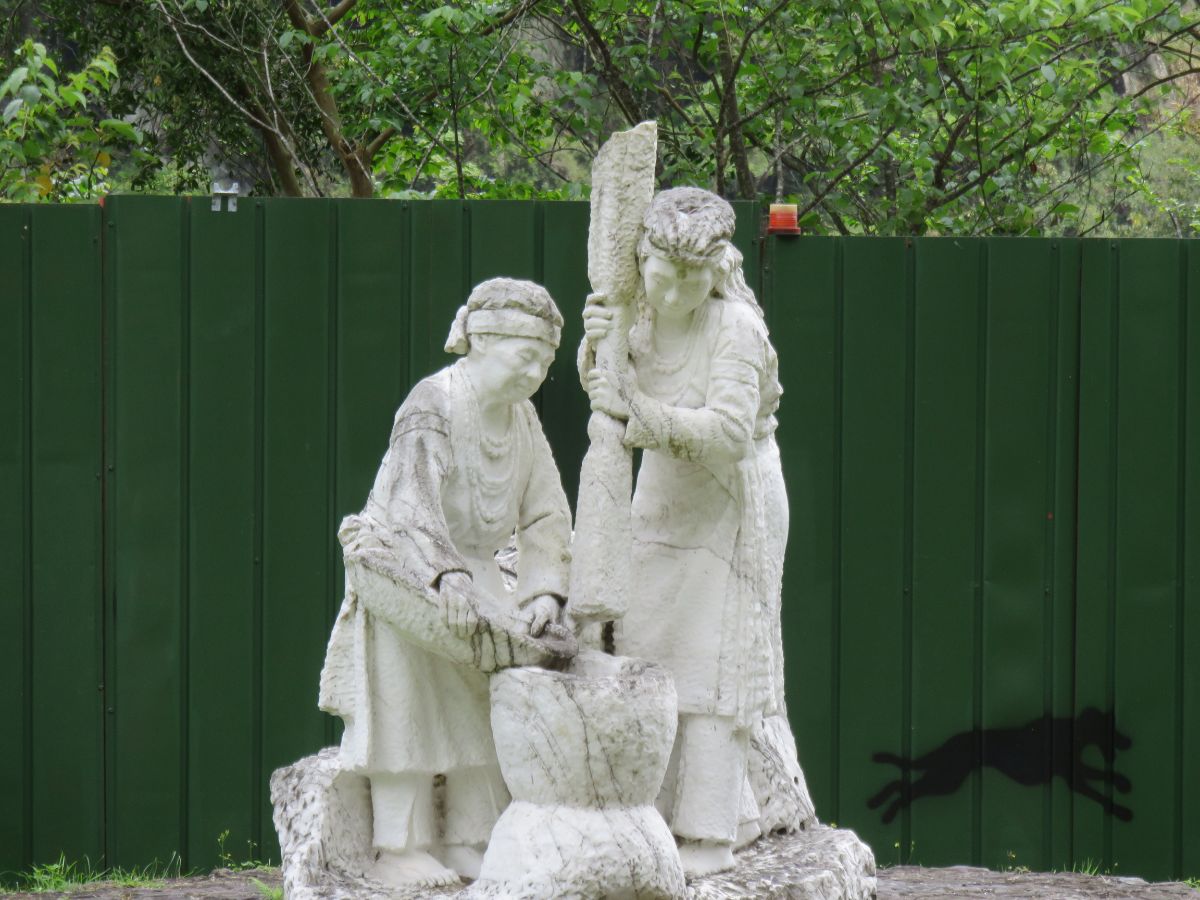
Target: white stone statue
[(454, 666), (699, 391), (426, 615)]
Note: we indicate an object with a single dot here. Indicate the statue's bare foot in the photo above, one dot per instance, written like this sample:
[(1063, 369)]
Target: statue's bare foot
[(705, 858), (411, 868), (463, 859)]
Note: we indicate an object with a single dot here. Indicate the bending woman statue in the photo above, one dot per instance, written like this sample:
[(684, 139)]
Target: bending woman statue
[(426, 615), (709, 525)]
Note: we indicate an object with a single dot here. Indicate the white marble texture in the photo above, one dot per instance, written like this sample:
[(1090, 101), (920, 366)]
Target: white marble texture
[(583, 753), (427, 616), (698, 391)]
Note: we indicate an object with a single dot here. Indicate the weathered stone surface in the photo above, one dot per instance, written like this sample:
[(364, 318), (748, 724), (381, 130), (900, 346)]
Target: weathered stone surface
[(610, 845), (583, 753), (323, 818), (819, 863), (541, 849)]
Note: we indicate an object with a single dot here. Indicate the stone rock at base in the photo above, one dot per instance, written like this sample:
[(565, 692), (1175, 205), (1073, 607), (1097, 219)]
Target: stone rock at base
[(776, 778), (818, 863), (322, 815)]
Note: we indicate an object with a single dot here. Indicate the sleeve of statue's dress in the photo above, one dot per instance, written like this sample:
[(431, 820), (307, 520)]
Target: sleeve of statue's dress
[(544, 524), (723, 428), (408, 524)]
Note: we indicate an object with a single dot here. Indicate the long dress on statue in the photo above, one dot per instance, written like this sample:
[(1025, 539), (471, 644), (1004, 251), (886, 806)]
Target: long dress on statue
[(444, 500), (710, 520)]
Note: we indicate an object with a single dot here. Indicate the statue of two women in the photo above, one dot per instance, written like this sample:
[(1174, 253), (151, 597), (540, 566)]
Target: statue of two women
[(468, 467)]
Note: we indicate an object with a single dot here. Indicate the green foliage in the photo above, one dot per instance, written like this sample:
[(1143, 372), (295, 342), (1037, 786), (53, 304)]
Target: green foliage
[(228, 860), (55, 141), (876, 116)]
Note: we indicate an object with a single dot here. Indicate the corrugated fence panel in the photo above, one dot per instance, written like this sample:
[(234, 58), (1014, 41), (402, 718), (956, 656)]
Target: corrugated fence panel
[(949, 412), (1189, 611), (1147, 663), (147, 253), (224, 658), (875, 578), (505, 240), (299, 317), (66, 776), (441, 270), (1062, 546), (1094, 597), (1018, 515), (802, 282), (980, 662), (15, 498)]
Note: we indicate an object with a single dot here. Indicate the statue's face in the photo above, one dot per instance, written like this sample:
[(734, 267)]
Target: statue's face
[(676, 289), (509, 369)]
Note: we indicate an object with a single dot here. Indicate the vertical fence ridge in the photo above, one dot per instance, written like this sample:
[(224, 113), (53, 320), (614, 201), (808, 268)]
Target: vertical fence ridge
[(27, 611), (982, 298), (1113, 512), (331, 431), (256, 689), (1181, 564), (910, 366), (839, 324), (108, 376), (185, 566), (1049, 646)]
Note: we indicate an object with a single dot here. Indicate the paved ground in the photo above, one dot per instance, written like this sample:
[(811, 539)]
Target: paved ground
[(912, 882), (901, 883)]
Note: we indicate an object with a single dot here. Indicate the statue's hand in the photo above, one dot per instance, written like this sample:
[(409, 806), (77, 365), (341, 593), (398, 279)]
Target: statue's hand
[(608, 393), (458, 608), (540, 612), (597, 317)]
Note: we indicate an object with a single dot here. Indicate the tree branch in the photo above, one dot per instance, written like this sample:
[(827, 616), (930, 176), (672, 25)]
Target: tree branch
[(331, 18), (376, 144), (819, 196), (620, 89)]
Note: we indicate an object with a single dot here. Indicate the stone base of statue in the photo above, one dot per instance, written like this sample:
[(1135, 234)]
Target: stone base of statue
[(583, 752), (818, 863), (323, 816)]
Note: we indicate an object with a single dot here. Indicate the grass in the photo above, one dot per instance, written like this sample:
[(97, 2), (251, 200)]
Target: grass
[(268, 892), (61, 876)]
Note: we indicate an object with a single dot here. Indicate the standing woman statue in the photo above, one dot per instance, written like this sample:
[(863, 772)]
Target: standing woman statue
[(426, 615), (709, 514)]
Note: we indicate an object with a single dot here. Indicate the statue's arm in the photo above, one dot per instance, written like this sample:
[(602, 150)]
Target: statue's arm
[(723, 428)]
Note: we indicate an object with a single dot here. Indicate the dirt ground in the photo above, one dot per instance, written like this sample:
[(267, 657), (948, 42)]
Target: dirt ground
[(900, 883)]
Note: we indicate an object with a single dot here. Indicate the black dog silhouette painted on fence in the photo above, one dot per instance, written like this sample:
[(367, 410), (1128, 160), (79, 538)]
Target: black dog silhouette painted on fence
[(1031, 754)]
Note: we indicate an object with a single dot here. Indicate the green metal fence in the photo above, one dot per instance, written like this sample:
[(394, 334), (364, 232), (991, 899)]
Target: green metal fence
[(992, 449)]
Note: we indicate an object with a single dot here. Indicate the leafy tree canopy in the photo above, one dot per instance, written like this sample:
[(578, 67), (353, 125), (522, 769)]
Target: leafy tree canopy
[(876, 116), (52, 144)]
